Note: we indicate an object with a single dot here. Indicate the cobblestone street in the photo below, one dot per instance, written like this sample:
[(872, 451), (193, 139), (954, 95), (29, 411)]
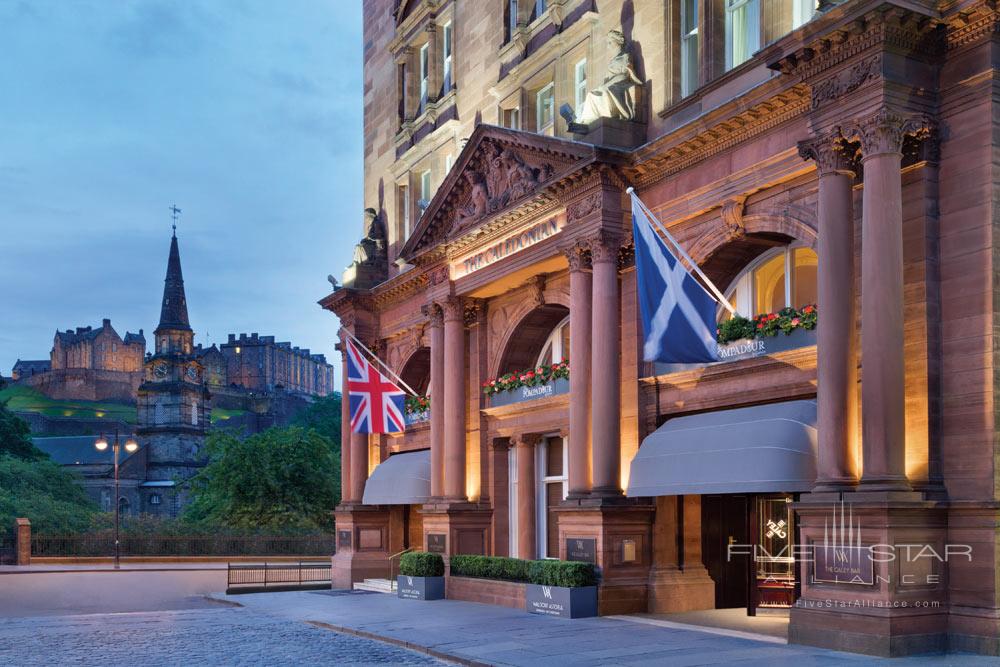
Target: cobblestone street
[(214, 636)]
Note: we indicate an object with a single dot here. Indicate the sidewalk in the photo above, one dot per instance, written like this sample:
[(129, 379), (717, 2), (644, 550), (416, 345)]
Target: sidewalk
[(109, 567), (484, 634)]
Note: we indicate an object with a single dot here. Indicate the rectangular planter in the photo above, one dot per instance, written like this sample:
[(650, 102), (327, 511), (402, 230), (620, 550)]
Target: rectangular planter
[(580, 602), (419, 588), (749, 348), (486, 591), (553, 388)]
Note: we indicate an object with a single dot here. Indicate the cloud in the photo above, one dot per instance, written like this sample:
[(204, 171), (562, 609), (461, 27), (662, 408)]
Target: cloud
[(155, 29)]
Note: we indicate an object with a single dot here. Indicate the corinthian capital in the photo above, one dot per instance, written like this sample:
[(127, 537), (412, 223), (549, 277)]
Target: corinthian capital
[(433, 313), (883, 131), (453, 308), (604, 247), (831, 153), (578, 256)]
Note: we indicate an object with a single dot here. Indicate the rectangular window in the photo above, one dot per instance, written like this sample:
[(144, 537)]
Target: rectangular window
[(545, 110), (540, 7), (742, 31), (424, 75), (404, 211), (689, 46), (512, 118), (449, 162), (425, 190), (579, 85), (446, 51), (194, 415), (550, 467), (511, 19), (802, 11)]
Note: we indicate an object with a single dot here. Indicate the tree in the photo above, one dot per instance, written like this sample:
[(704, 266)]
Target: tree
[(324, 416), (281, 479), (15, 437), (44, 493)]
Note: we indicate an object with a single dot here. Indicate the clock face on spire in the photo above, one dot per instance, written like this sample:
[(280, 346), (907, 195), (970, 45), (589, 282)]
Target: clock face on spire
[(160, 371)]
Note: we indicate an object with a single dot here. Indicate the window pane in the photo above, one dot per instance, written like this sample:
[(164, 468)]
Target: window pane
[(554, 458), (689, 16), (804, 284), (553, 496), (769, 285), (565, 344)]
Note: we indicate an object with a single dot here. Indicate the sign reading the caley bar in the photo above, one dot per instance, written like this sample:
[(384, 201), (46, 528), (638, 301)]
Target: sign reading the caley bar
[(843, 565), (507, 246), (435, 543)]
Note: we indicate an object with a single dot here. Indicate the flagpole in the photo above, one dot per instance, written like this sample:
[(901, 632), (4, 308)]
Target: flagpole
[(694, 265), (381, 363)]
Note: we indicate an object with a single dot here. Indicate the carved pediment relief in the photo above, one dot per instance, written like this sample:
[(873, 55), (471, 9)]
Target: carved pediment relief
[(499, 171)]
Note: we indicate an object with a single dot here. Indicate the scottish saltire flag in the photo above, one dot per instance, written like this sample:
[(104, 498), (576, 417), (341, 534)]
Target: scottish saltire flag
[(376, 402), (678, 314)]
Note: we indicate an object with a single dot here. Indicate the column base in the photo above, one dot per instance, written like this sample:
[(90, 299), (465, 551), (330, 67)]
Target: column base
[(363, 547), (453, 527), (835, 485), (885, 484), (622, 540), (673, 590), (887, 606)]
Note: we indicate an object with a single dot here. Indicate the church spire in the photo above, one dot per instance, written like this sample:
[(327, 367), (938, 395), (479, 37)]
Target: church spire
[(173, 313)]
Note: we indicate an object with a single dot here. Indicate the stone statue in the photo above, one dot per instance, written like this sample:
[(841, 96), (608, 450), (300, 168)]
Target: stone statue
[(616, 97), (370, 265)]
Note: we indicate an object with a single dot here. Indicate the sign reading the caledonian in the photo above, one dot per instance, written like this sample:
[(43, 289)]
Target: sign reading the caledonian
[(508, 246)]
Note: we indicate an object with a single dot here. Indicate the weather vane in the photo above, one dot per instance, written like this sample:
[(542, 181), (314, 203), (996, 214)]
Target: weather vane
[(174, 212)]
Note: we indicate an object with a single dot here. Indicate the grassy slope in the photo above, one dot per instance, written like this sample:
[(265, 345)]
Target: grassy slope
[(26, 399)]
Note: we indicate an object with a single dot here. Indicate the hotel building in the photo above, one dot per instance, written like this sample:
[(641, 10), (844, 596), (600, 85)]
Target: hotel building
[(842, 154)]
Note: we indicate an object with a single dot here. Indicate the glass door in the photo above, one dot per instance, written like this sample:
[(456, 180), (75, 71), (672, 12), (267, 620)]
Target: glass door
[(775, 561)]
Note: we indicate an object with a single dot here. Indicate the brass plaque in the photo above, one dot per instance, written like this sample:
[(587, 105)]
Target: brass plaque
[(628, 551)]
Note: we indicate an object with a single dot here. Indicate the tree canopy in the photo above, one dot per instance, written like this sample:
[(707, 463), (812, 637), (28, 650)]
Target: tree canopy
[(44, 493), (281, 479), (15, 437), (324, 416)]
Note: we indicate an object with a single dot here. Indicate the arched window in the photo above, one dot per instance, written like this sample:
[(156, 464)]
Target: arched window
[(556, 347), (779, 278)]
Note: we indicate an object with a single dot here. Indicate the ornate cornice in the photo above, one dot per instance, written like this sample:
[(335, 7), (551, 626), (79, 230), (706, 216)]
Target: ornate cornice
[(721, 136), (973, 25), (887, 26)]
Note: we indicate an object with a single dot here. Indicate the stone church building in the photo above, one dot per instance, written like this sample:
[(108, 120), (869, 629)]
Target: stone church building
[(830, 156)]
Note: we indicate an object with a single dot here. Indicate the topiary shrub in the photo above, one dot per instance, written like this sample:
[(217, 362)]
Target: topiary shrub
[(544, 572), (421, 564)]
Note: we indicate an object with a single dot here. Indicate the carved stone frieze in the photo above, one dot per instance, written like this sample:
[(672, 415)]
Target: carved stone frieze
[(583, 207), (846, 81), (438, 275), (536, 290), (495, 178)]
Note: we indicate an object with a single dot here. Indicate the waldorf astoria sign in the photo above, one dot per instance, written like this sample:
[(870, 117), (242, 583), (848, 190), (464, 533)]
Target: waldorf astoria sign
[(507, 246)]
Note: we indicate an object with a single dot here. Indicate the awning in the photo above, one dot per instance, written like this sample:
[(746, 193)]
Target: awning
[(402, 479), (760, 449)]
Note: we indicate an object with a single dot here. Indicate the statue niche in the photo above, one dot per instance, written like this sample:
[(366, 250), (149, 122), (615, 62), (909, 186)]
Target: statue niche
[(371, 260), (498, 177)]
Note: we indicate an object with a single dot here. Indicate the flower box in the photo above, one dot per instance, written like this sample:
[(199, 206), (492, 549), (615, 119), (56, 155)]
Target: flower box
[(578, 602), (419, 588), (526, 393), (417, 417), (749, 348)]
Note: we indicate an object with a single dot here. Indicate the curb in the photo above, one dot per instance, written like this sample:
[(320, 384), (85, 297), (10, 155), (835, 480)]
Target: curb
[(106, 568), (440, 655)]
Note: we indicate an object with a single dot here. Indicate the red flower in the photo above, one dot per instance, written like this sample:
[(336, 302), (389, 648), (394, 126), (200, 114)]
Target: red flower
[(795, 321)]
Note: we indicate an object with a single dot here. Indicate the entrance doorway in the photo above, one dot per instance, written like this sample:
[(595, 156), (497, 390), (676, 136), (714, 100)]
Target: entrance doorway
[(758, 570), (725, 521)]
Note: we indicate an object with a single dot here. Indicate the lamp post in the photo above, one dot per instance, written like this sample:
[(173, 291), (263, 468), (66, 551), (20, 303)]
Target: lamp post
[(130, 446)]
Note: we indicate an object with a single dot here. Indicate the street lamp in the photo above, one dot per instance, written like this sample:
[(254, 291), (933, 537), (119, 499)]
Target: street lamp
[(131, 446)]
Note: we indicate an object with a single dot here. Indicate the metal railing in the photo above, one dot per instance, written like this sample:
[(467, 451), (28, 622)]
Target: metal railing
[(392, 559), (259, 577), (98, 545)]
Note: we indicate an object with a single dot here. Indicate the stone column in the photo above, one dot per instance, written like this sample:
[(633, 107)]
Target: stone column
[(22, 536), (359, 465), (345, 430), (580, 287), (433, 63), (837, 339), (882, 387), (605, 391), (454, 399), (524, 452), (434, 313)]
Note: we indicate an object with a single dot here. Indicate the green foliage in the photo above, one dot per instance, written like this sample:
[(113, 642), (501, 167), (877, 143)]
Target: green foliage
[(421, 564), (785, 321), (323, 416), (281, 479), (544, 572), (15, 437), (43, 492), (26, 399)]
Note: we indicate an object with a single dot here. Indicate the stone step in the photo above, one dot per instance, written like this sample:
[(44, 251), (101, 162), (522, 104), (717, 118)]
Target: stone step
[(376, 586)]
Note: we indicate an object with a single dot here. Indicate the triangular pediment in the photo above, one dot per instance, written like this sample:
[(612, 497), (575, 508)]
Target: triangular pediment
[(498, 171)]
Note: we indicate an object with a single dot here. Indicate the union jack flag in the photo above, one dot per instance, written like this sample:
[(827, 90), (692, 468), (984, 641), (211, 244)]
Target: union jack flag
[(376, 403)]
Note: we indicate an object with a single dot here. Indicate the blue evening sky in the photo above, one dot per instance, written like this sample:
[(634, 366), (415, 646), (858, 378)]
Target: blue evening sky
[(246, 113)]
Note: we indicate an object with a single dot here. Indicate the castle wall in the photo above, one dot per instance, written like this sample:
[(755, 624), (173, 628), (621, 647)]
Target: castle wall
[(85, 384)]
